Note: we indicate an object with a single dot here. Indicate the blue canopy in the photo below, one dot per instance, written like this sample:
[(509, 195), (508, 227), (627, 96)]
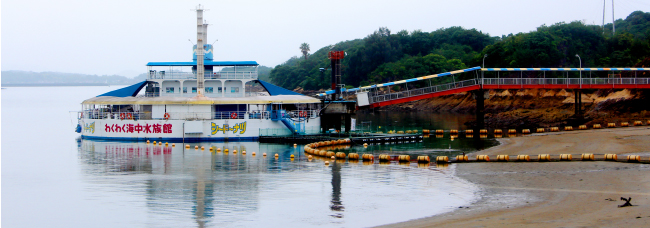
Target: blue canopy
[(129, 91), (277, 90), (206, 63)]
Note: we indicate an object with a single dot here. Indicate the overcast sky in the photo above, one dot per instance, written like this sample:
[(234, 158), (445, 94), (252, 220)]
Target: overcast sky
[(120, 37)]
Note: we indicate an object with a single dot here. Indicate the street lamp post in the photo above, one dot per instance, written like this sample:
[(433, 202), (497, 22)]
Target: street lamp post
[(484, 56), (580, 70)]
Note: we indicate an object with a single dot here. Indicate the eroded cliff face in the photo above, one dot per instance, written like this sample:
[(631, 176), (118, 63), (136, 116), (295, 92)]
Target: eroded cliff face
[(529, 108)]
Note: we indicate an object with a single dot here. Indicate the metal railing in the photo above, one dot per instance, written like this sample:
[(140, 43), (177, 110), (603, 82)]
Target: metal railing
[(217, 75), (562, 81), (374, 98), (303, 114)]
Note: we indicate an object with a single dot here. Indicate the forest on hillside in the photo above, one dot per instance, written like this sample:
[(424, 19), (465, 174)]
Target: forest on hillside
[(384, 56)]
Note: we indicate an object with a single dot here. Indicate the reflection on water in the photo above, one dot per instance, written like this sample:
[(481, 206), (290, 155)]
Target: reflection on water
[(182, 186)]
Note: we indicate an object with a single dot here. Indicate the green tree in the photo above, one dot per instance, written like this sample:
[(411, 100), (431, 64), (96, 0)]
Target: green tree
[(304, 48)]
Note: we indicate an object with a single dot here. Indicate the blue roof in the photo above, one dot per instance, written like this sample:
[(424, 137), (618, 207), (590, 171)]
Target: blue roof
[(129, 91), (277, 90), (206, 63)]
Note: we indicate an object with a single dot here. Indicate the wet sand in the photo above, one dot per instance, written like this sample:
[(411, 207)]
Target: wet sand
[(556, 194)]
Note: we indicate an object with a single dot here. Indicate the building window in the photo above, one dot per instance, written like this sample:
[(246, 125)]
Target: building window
[(193, 89), (208, 90), (169, 89), (234, 89), (219, 89), (184, 89)]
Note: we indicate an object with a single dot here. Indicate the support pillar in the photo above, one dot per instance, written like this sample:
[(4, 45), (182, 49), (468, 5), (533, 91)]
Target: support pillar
[(348, 123), (578, 104), (480, 111)]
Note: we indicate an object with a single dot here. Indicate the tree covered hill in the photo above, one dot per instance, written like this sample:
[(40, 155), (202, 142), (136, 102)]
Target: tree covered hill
[(384, 56)]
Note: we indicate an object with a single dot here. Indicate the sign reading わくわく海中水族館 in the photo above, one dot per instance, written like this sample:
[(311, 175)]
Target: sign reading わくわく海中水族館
[(139, 128)]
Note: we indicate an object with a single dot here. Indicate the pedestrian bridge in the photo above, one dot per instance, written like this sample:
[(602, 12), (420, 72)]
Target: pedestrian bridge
[(379, 95)]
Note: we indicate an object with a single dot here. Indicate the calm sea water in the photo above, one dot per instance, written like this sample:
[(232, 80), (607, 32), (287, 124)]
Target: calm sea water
[(52, 179)]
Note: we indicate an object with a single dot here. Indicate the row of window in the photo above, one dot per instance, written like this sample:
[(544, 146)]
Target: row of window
[(207, 89)]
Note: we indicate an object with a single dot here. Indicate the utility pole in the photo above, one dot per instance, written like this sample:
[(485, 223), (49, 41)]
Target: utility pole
[(604, 16), (613, 20)]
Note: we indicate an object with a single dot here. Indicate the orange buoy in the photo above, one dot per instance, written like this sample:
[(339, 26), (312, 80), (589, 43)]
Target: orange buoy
[(638, 123), (544, 157), (453, 131), (384, 157), (187, 146), (243, 152), (611, 157), (253, 153), (225, 150), (154, 142), (354, 156), (309, 157), (611, 124), (147, 141), (330, 154), (555, 129), (587, 157), (327, 162), (568, 128), (291, 156), (368, 157), (423, 159), (404, 158), (525, 131), (483, 131), (497, 135), (596, 126), (582, 127), (442, 159), (503, 158), (625, 124), (277, 155), (462, 158), (469, 135), (512, 131), (340, 155), (540, 130), (425, 131), (440, 131), (173, 144), (469, 131), (523, 157), (264, 154), (633, 158), (498, 131), (483, 136), (400, 132), (196, 147), (566, 157), (234, 151)]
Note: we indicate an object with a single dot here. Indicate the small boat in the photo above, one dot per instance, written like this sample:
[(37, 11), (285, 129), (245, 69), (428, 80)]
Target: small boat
[(199, 100)]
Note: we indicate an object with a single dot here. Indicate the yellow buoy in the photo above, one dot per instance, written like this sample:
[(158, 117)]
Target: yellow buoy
[(469, 135), (384, 157), (540, 130), (568, 128), (442, 159), (469, 131), (295, 145), (354, 156), (638, 123), (587, 157), (523, 157), (147, 141), (243, 152), (210, 149), (483, 131), (187, 146), (555, 129), (633, 158), (368, 157), (333, 157), (503, 158), (327, 162), (566, 157), (253, 153), (159, 143), (404, 158), (483, 158), (425, 131), (225, 150), (218, 149), (625, 124), (202, 148), (291, 156), (544, 157), (277, 155), (582, 127), (424, 159), (330, 154), (462, 158), (611, 124), (234, 151), (309, 157), (264, 154), (173, 144), (440, 131), (166, 144), (483, 136), (340, 155), (512, 131), (154, 142), (611, 157), (196, 147), (498, 131), (525, 131), (453, 131), (597, 126)]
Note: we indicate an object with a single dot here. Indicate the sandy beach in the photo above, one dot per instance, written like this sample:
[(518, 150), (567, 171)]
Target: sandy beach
[(556, 194)]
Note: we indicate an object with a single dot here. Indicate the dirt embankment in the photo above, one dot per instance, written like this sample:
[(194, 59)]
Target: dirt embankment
[(529, 108)]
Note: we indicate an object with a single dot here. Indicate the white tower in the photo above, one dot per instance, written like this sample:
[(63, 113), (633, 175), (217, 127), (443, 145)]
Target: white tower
[(200, 35)]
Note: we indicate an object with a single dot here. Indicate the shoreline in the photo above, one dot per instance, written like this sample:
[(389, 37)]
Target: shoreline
[(556, 194)]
